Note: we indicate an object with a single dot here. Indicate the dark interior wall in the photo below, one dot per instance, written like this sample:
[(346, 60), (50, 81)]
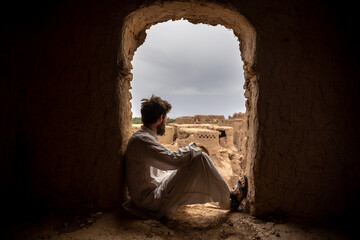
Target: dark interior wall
[(306, 109), (61, 140), (62, 117)]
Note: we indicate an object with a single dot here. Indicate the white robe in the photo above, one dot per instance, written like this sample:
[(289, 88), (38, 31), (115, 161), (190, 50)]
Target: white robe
[(160, 180)]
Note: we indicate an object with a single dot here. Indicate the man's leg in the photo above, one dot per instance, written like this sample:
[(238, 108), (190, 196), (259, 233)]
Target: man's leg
[(200, 182)]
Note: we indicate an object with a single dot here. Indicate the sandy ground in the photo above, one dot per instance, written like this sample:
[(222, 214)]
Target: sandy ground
[(191, 222)]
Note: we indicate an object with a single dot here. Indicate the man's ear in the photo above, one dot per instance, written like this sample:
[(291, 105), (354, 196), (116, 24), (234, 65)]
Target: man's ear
[(160, 119)]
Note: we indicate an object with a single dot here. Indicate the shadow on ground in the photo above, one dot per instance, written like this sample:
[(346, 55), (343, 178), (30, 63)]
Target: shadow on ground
[(190, 222)]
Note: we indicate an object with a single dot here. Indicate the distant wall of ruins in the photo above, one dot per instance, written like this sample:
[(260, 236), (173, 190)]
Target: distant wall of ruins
[(217, 134), (238, 122)]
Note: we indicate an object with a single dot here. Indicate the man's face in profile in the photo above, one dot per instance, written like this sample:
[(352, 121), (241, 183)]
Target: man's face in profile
[(160, 130)]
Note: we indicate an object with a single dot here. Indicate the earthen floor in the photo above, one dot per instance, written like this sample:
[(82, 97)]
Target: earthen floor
[(191, 222)]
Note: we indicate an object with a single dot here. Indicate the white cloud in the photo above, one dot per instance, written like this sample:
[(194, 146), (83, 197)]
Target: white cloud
[(196, 67)]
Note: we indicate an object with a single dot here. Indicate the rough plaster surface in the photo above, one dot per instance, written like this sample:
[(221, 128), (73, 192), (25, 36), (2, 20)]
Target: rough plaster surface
[(65, 101)]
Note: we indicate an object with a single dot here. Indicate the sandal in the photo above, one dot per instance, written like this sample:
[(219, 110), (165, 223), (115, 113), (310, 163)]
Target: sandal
[(235, 203)]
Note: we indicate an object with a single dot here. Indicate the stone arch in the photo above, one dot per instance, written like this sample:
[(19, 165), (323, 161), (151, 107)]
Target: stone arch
[(133, 35)]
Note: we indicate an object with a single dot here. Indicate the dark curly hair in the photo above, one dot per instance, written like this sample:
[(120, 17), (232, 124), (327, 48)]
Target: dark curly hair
[(153, 108)]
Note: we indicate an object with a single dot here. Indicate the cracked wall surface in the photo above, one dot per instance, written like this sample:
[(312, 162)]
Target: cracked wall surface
[(65, 100)]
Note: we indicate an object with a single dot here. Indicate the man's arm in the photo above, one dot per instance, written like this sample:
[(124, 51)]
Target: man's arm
[(163, 158)]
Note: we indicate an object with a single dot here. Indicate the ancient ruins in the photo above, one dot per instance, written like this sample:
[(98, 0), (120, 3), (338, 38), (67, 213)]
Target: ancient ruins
[(225, 140)]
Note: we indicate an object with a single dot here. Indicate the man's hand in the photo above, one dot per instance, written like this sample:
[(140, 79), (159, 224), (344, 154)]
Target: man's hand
[(203, 148)]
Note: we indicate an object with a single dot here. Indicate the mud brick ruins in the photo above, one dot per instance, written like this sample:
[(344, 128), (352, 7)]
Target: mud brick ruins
[(65, 80), (225, 140)]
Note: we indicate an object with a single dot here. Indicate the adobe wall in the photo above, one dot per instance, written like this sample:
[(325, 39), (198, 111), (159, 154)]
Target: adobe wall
[(238, 123), (305, 117), (185, 120), (65, 102), (63, 122)]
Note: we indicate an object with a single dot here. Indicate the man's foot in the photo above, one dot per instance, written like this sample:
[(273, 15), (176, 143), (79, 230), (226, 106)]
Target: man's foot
[(238, 193)]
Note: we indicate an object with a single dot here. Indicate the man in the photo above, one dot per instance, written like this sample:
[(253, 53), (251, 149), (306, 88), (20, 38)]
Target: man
[(160, 180)]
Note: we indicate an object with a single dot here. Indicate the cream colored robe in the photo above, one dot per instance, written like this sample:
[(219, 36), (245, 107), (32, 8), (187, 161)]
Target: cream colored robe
[(160, 180)]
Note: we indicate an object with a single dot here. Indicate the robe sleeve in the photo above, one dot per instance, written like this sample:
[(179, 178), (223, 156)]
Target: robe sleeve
[(163, 158)]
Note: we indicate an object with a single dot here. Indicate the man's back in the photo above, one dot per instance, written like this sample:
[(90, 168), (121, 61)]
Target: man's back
[(140, 184), (161, 180), (150, 165)]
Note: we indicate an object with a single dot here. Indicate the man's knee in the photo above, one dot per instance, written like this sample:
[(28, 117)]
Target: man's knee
[(203, 158), (200, 156)]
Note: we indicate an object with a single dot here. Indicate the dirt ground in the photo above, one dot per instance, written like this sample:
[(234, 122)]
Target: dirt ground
[(191, 222)]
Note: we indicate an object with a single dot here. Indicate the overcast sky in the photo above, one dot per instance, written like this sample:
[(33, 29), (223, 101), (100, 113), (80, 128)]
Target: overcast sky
[(197, 68)]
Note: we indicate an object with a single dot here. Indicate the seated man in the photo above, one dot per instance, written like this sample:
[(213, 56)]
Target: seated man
[(160, 180)]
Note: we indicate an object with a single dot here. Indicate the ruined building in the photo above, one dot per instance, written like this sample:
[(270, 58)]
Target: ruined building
[(238, 122), (215, 133), (65, 101)]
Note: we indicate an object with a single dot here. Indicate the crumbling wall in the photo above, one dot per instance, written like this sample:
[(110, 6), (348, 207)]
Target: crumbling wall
[(209, 138), (239, 122), (238, 131), (184, 120), (212, 119)]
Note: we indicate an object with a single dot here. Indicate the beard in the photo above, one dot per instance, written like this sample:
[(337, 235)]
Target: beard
[(160, 130)]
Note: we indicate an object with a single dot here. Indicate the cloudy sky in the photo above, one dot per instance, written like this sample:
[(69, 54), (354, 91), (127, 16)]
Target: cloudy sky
[(197, 68)]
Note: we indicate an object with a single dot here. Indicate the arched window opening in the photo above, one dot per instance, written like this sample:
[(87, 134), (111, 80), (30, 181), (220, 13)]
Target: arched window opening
[(198, 69), (133, 36)]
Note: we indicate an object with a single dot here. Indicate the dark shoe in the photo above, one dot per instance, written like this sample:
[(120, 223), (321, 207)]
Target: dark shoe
[(235, 200)]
